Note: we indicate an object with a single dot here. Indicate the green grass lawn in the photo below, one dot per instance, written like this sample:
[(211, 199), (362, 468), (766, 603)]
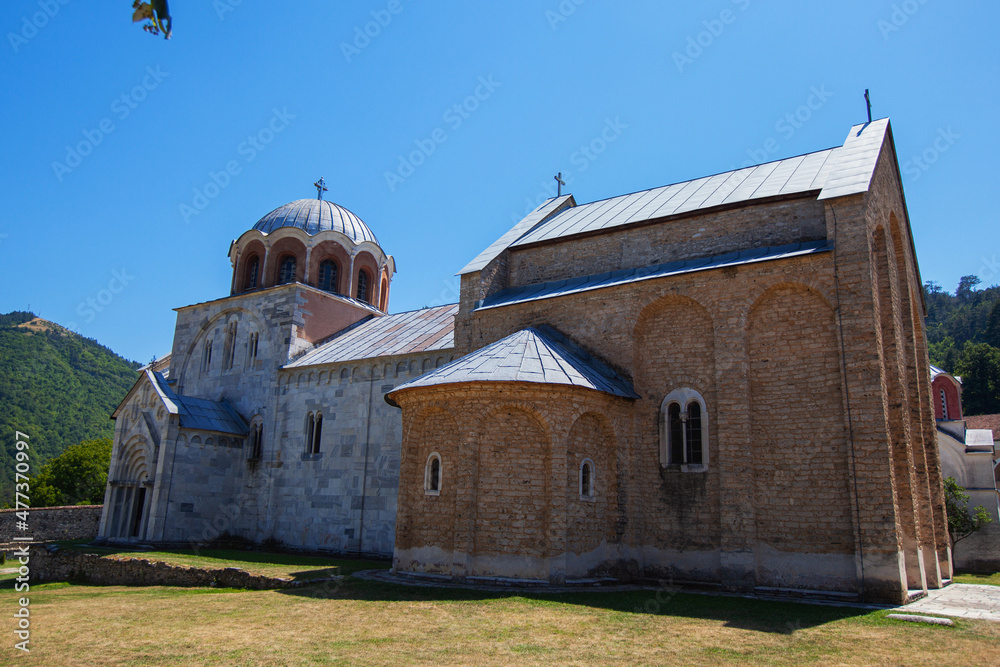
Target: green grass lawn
[(355, 622), (977, 578), (350, 621)]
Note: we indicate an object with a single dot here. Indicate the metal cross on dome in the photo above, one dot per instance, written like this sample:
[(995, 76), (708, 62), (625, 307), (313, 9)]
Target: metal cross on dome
[(320, 186)]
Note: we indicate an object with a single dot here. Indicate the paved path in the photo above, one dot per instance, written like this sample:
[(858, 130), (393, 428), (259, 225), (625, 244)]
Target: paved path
[(960, 601)]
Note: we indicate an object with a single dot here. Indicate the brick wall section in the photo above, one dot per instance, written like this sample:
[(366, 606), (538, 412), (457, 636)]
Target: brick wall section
[(800, 472), (53, 523)]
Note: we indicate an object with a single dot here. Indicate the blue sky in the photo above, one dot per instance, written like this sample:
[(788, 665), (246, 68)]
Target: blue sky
[(111, 136)]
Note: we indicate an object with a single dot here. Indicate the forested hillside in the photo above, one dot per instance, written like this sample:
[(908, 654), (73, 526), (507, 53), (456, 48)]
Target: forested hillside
[(963, 335), (57, 387)]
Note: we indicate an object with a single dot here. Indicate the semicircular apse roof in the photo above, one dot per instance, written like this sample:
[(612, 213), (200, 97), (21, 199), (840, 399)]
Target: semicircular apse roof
[(314, 216)]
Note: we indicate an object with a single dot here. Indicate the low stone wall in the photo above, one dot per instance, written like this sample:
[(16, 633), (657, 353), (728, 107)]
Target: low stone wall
[(47, 524), (50, 564)]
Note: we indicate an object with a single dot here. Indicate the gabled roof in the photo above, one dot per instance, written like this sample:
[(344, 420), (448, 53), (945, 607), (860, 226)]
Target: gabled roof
[(200, 414), (415, 331), (540, 355), (836, 172)]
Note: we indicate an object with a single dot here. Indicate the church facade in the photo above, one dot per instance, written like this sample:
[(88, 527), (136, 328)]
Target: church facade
[(722, 382)]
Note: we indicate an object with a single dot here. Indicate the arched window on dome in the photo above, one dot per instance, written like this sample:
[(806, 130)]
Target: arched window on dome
[(363, 286), (328, 275), (286, 273), (252, 275)]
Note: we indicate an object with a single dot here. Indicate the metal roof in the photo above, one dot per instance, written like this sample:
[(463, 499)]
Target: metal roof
[(835, 172), (314, 216), (540, 355), (624, 276), (199, 414), (403, 333), (540, 214)]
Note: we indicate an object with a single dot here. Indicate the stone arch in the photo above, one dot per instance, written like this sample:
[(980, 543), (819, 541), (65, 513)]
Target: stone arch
[(134, 461), (513, 489), (401, 368), (285, 247), (334, 251), (244, 282), (592, 521), (207, 330), (798, 443)]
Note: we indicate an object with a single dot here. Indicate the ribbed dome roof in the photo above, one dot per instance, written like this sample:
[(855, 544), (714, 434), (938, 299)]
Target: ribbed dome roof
[(314, 216)]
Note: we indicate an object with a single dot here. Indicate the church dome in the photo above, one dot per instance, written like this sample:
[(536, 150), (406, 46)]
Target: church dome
[(314, 216)]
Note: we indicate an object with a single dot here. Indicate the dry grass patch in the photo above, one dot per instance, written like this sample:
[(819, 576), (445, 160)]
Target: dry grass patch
[(368, 623)]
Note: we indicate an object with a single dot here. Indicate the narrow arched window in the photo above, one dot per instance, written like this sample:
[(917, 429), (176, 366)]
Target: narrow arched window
[(587, 480), (328, 275), (256, 442), (230, 349), (944, 405), (287, 270), (684, 431), (253, 271), (363, 286), (432, 475), (206, 357)]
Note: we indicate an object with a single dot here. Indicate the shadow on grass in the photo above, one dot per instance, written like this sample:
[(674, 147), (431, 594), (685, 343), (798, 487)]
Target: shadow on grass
[(744, 613)]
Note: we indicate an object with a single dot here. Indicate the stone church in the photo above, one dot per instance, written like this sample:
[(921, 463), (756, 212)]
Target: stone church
[(722, 382)]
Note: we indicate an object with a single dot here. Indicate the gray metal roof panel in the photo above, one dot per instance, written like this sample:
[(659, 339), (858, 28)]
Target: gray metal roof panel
[(426, 330), (314, 216), (540, 355), (615, 278), (855, 165), (776, 180), (545, 210)]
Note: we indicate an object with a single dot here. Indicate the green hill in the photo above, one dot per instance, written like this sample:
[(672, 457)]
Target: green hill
[(57, 387)]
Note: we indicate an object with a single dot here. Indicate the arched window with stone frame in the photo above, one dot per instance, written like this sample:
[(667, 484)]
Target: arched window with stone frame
[(286, 269), (252, 277), (364, 286), (314, 432), (684, 431), (206, 356), (328, 275), (433, 475), (255, 442), (230, 348)]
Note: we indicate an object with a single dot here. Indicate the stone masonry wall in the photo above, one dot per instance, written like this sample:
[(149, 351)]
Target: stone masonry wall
[(52, 523), (63, 565)]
